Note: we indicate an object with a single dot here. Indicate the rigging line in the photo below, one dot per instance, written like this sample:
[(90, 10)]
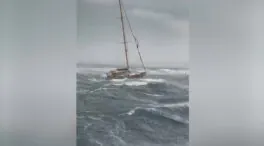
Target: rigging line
[(136, 41), (129, 23)]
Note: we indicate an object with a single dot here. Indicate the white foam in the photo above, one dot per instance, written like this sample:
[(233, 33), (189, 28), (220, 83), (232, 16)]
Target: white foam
[(156, 95), (118, 80), (95, 118), (183, 104), (177, 118), (174, 117), (131, 112), (98, 89), (154, 110), (94, 80), (151, 109), (87, 125), (168, 72), (135, 83), (172, 105), (98, 142), (117, 138), (150, 80), (118, 84)]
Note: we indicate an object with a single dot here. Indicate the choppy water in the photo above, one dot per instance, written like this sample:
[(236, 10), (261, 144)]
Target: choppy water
[(153, 111)]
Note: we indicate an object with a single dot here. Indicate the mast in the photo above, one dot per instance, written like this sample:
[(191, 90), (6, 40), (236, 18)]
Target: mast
[(124, 35), (135, 39)]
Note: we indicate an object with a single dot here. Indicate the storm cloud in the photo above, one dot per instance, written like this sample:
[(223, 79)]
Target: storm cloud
[(162, 28)]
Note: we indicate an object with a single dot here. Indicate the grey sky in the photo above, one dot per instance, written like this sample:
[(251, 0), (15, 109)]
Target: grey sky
[(162, 28)]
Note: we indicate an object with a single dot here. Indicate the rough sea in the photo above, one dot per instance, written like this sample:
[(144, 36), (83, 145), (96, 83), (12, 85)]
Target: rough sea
[(152, 111)]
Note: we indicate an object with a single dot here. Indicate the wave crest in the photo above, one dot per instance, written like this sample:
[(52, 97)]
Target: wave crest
[(140, 82), (155, 111)]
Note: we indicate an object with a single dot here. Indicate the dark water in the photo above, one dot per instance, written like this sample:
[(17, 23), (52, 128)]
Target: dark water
[(149, 112)]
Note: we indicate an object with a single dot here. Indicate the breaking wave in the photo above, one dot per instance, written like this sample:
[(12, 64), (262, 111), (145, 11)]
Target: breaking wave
[(169, 72), (136, 82), (150, 80), (158, 112)]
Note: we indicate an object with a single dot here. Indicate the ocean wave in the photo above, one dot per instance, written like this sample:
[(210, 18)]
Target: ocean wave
[(93, 79), (135, 83), (118, 80), (160, 71), (150, 80), (172, 105), (154, 106), (96, 79), (139, 82), (153, 109), (168, 71), (95, 118), (118, 138), (82, 91), (155, 95), (158, 112), (142, 100)]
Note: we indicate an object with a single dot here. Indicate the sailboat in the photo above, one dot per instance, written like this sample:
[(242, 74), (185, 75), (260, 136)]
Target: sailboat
[(125, 72)]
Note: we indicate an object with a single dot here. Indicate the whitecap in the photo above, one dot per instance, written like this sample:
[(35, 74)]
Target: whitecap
[(135, 83), (118, 80), (130, 83), (118, 84), (184, 104), (152, 80), (168, 70), (160, 113), (166, 115), (131, 112), (98, 142), (172, 105), (117, 138), (155, 95), (87, 125), (94, 80), (98, 89), (165, 71), (95, 118)]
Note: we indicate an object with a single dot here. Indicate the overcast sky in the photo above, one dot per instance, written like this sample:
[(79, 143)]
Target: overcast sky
[(161, 26)]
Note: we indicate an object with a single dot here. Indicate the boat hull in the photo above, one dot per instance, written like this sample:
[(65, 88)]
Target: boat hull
[(124, 74)]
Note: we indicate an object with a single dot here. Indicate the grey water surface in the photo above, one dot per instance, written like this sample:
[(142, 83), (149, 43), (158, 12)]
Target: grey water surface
[(153, 111)]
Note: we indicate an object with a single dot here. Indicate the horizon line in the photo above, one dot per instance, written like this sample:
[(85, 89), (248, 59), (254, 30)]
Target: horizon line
[(179, 65)]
